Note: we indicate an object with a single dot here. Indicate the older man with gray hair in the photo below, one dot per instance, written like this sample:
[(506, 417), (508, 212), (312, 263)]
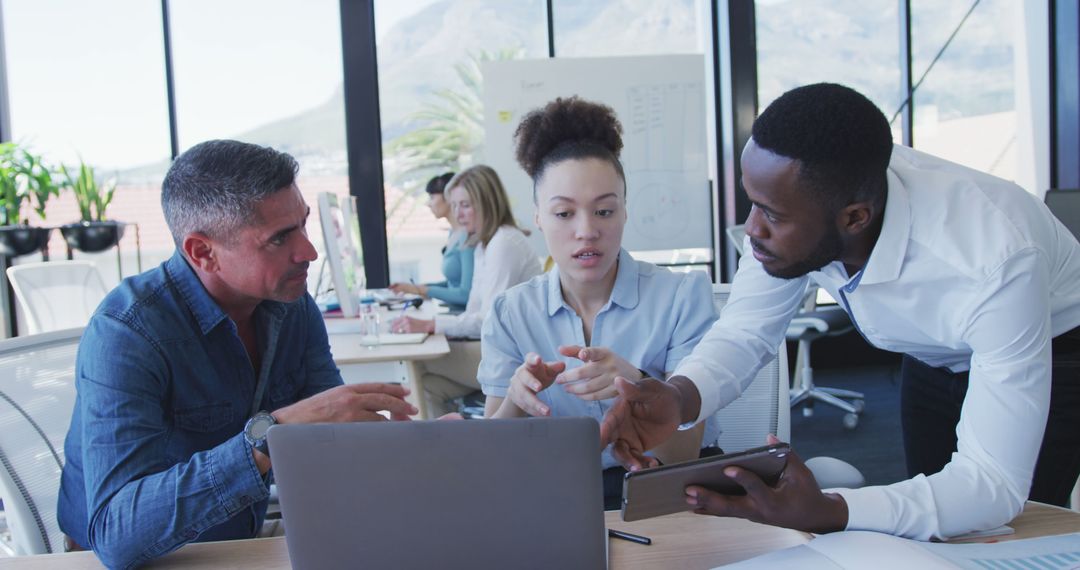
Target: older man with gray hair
[(183, 368)]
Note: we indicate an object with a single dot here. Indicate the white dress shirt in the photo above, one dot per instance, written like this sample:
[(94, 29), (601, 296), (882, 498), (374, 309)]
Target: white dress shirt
[(970, 272), (507, 260)]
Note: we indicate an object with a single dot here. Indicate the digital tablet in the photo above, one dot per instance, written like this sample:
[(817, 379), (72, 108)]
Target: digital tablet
[(662, 490)]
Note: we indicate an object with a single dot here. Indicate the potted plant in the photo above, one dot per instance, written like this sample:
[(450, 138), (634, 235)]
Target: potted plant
[(23, 177), (94, 233)]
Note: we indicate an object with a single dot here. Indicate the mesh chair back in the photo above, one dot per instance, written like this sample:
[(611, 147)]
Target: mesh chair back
[(763, 407), (55, 295), (37, 396)]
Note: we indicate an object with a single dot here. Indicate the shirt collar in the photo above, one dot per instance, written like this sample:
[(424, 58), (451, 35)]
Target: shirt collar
[(205, 310), (888, 254), (624, 293)]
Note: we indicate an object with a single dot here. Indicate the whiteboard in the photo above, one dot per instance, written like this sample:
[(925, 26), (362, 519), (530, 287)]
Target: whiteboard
[(660, 101)]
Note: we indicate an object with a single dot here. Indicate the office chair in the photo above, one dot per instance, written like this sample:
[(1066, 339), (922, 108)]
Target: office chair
[(805, 328), (763, 408), (37, 396), (810, 324), (55, 295)]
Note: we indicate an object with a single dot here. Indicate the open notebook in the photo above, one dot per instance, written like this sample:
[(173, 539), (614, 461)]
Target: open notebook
[(861, 549)]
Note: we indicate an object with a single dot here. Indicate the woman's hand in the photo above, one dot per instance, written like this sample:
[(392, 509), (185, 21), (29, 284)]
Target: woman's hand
[(412, 325), (595, 380), (531, 378), (409, 289)]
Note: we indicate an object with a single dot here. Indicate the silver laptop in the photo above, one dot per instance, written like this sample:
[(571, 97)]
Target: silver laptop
[(522, 493)]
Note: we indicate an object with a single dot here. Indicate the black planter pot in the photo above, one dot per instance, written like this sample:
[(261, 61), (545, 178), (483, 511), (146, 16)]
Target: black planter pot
[(92, 236), (21, 240)]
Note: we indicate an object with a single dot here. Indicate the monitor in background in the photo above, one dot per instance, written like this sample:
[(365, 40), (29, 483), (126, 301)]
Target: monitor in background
[(1065, 205), (352, 222), (341, 239)]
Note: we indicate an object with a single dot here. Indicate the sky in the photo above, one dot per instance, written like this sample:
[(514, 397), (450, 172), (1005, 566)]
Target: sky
[(88, 78)]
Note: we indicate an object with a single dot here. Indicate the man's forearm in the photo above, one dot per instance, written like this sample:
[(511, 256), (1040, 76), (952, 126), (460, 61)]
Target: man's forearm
[(690, 399), (157, 513)]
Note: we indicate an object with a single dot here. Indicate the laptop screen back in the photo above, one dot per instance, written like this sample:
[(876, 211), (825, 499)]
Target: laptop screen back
[(484, 494)]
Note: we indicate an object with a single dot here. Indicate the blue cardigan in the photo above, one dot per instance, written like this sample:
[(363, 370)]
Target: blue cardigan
[(457, 266)]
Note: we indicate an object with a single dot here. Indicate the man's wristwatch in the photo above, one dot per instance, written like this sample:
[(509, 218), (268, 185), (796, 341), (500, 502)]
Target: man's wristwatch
[(255, 431)]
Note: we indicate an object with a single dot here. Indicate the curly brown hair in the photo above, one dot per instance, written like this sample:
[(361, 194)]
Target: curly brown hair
[(564, 129)]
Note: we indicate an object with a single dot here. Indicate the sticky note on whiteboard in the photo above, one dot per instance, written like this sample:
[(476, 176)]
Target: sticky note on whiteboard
[(505, 116)]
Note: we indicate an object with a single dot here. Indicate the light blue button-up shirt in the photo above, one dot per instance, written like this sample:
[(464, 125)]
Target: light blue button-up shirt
[(654, 318)]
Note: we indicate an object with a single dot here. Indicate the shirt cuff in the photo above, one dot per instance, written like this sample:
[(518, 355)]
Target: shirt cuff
[(442, 322), (865, 508), (235, 476), (707, 389)]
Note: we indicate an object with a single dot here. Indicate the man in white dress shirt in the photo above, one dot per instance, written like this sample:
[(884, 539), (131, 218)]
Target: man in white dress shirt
[(967, 275)]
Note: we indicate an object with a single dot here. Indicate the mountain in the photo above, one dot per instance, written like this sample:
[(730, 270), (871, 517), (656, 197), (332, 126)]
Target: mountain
[(849, 41)]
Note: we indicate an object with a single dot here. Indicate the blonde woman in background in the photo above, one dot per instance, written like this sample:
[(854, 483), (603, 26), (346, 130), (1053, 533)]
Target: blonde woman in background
[(502, 258)]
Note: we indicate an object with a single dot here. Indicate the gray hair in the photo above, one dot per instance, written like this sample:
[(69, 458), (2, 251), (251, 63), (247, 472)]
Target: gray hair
[(213, 187)]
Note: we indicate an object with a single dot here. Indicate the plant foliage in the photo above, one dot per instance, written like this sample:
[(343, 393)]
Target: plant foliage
[(92, 197), (24, 176)]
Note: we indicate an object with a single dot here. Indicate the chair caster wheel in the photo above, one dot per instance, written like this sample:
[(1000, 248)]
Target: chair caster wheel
[(807, 411), (851, 421), (859, 406)]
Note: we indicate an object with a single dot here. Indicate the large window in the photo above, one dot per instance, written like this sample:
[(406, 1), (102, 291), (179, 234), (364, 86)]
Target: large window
[(592, 28), (430, 93), (87, 81), (964, 62), (965, 108), (852, 42), (430, 54), (267, 72), (609, 28)]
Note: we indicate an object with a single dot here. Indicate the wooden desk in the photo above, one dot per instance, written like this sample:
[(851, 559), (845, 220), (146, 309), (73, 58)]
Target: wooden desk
[(348, 352), (389, 362), (679, 541)]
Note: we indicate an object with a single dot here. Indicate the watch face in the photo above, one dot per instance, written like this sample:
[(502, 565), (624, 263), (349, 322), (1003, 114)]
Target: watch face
[(260, 424)]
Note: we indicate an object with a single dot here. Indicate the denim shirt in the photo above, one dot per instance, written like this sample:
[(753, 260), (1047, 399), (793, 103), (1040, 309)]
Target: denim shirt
[(156, 456)]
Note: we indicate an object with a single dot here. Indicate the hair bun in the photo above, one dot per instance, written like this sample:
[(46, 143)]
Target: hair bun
[(565, 121)]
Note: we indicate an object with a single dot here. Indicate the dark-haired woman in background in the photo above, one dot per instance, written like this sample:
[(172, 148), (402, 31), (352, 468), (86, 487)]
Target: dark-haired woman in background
[(457, 261), (553, 346)]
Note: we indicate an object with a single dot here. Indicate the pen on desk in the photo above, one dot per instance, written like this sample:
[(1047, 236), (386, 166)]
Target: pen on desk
[(627, 536)]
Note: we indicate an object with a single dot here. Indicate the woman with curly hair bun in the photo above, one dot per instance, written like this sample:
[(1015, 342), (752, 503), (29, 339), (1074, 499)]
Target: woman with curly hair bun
[(554, 346)]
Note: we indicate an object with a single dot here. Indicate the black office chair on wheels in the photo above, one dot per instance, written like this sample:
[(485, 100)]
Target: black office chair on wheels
[(811, 323)]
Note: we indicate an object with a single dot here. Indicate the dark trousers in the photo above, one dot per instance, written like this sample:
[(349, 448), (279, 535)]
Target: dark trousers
[(930, 401)]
